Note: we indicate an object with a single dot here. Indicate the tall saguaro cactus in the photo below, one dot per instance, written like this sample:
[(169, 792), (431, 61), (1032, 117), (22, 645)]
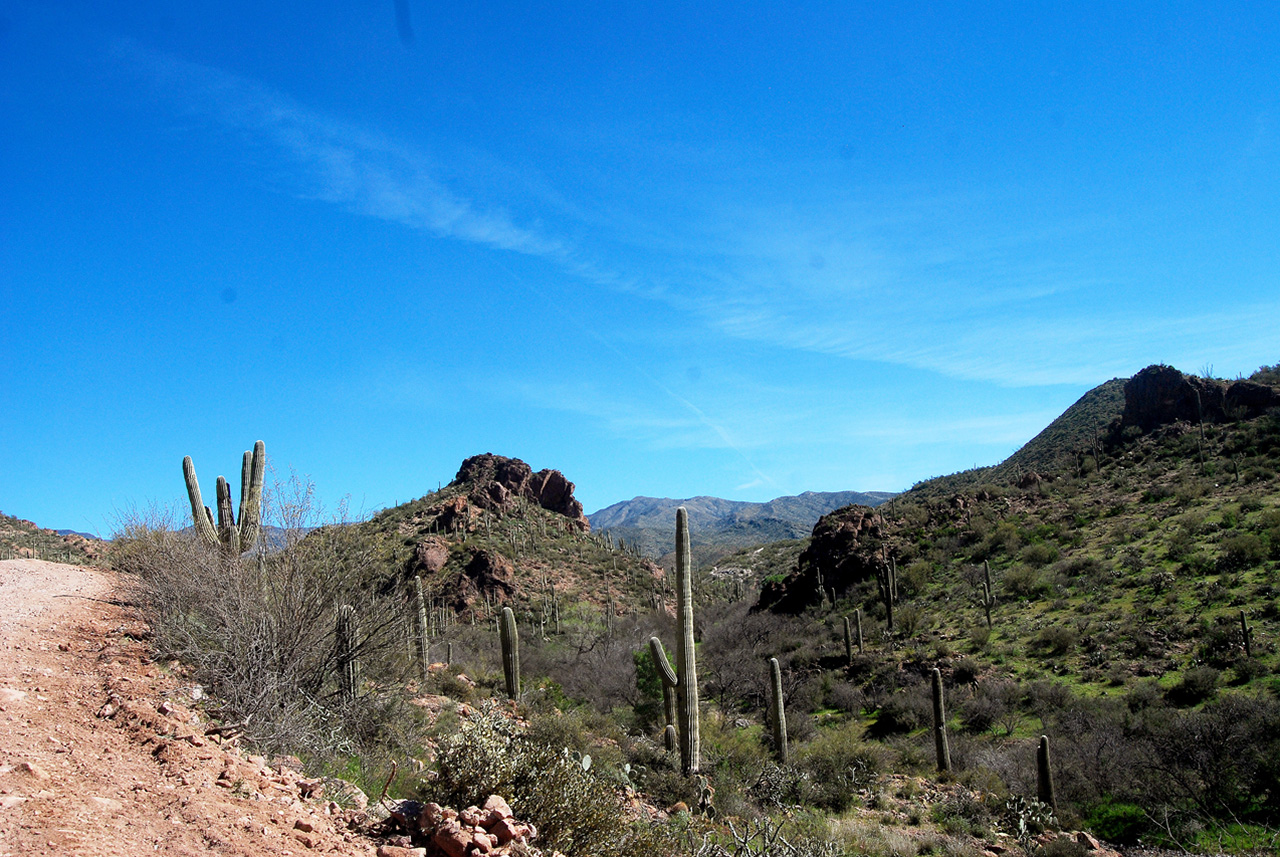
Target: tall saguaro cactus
[(1044, 775), (233, 536), (510, 652), (424, 645), (778, 711), (347, 634), (684, 679), (1246, 632), (988, 600), (941, 749)]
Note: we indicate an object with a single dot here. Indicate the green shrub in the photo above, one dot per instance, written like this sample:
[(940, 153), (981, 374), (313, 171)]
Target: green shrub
[(1240, 551), (838, 763), (1121, 823), (574, 809), (1196, 685)]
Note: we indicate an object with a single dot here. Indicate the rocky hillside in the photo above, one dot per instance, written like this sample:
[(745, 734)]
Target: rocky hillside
[(21, 539), (717, 527), (501, 534)]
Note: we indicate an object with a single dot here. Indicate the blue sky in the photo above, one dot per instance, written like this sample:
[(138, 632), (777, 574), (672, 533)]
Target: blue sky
[(740, 249)]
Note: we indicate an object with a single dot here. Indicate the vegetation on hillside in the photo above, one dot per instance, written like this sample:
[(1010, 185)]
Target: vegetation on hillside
[(1133, 621)]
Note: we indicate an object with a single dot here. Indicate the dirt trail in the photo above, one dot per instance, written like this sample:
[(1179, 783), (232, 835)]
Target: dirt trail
[(102, 753)]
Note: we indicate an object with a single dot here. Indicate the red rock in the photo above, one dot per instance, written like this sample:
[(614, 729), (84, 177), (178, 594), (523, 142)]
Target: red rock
[(506, 830), (400, 851), (482, 843), (451, 839), (496, 808)]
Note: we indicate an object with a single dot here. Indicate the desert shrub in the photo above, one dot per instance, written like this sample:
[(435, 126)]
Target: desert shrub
[(574, 809), (1196, 685), (845, 697), (1023, 581), (1239, 551), (904, 711), (258, 631), (1246, 670), (838, 764), (965, 671), (1056, 639), (1118, 822), (1038, 554)]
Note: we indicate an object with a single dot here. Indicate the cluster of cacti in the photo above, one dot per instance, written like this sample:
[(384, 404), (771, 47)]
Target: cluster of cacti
[(232, 535), (849, 632), (346, 643), (683, 680), (988, 599), (510, 637), (940, 746), (778, 711)]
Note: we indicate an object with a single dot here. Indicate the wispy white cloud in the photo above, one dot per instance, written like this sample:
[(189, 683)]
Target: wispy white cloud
[(334, 161)]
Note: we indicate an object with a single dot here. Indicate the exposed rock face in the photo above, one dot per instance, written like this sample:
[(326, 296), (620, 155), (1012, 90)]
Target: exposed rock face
[(845, 550), (497, 481), (487, 573), (1161, 394), (430, 555)]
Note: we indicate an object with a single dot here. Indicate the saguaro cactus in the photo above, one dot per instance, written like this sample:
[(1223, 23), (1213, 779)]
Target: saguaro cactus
[(778, 711), (988, 600), (886, 579), (346, 636), (684, 679), (1044, 775), (848, 641), (940, 724), (424, 648), (234, 538), (510, 652), (1246, 631)]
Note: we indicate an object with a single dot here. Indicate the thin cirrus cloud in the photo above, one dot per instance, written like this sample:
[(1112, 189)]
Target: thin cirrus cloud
[(338, 162)]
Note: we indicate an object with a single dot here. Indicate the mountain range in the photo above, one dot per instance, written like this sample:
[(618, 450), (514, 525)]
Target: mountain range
[(718, 527)]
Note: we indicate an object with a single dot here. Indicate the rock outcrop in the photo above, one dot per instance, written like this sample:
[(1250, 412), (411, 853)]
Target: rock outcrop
[(497, 482), (846, 550), (1159, 395), (487, 576)]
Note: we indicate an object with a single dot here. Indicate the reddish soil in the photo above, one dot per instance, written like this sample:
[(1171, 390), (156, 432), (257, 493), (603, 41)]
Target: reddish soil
[(104, 752)]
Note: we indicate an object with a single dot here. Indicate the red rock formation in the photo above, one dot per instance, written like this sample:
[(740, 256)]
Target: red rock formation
[(1161, 394), (496, 481)]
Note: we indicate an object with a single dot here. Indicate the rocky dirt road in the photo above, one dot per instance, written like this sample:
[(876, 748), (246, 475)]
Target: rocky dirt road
[(102, 753)]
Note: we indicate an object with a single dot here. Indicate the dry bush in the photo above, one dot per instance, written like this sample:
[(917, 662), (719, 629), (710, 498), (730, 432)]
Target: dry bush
[(257, 631)]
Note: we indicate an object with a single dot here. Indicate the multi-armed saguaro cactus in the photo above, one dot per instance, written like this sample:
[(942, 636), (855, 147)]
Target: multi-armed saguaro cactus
[(1044, 776), (510, 652), (346, 641), (684, 679), (778, 711), (232, 536), (940, 746)]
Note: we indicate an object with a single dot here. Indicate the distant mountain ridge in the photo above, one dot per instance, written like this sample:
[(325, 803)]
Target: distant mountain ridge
[(718, 526)]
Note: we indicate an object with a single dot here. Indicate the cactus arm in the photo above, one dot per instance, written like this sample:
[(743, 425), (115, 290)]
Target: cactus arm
[(228, 533), (251, 473), (200, 515), (669, 683)]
